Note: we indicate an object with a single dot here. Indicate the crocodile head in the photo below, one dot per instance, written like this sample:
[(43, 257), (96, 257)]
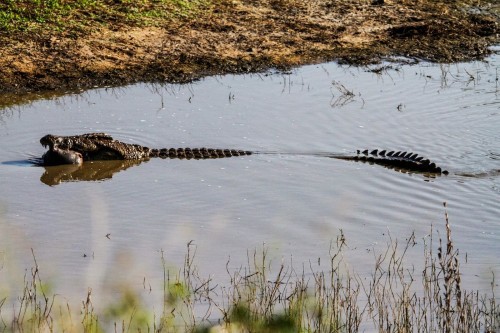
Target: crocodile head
[(90, 146), (59, 151)]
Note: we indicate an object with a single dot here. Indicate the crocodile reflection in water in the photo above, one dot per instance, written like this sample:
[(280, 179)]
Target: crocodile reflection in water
[(94, 171), (93, 147)]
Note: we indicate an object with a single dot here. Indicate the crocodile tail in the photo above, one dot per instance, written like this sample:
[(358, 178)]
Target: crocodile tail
[(400, 159), (196, 153)]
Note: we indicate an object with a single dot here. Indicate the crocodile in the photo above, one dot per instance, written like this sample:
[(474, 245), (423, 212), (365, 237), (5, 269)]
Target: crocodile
[(78, 149)]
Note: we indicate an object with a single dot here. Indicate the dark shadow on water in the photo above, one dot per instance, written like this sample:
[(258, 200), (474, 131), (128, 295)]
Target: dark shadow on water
[(24, 163)]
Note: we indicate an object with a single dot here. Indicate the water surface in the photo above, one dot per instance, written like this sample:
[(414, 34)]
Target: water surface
[(294, 204)]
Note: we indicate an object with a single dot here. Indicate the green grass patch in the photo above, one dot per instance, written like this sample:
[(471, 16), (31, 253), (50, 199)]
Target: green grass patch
[(64, 15)]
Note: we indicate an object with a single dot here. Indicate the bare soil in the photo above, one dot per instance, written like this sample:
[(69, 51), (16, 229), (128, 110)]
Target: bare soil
[(243, 36)]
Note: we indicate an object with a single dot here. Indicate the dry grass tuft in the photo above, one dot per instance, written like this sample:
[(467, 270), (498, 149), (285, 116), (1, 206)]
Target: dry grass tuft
[(260, 298)]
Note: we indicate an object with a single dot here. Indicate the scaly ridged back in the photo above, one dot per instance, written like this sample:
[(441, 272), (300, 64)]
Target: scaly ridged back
[(404, 160), (196, 153)]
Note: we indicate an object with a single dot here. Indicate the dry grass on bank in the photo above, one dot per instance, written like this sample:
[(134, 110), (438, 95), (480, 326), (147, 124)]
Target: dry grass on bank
[(395, 298)]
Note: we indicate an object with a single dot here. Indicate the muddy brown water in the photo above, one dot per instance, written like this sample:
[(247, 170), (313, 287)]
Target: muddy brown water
[(294, 204)]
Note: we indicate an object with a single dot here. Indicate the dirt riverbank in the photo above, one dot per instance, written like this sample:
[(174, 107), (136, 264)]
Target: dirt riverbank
[(243, 36)]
